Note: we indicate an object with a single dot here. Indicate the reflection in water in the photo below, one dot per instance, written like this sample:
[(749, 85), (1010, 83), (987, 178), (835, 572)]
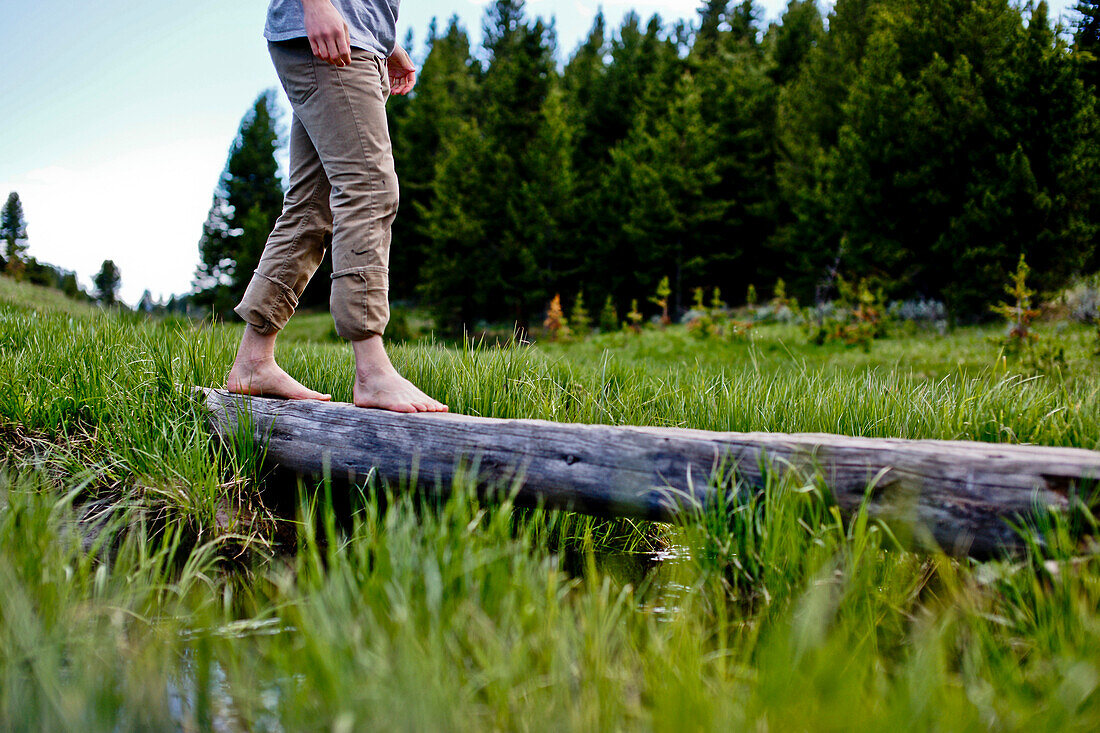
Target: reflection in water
[(660, 578), (200, 696)]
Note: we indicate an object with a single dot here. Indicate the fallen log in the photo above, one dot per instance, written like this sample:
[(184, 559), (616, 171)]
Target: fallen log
[(962, 494)]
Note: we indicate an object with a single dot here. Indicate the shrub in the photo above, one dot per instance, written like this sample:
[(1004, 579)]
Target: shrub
[(920, 313), (1082, 301), (857, 318), (714, 321)]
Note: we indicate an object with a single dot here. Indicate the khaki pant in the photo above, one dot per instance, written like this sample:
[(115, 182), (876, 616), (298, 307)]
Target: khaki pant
[(342, 180)]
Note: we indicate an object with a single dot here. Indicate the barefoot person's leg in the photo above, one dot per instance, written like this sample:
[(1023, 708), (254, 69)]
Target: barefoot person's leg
[(291, 255), (255, 372)]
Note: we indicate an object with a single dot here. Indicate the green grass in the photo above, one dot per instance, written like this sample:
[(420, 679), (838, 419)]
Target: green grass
[(27, 298), (195, 608)]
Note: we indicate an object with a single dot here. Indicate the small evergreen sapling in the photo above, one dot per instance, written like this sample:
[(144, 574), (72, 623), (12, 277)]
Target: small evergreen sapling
[(609, 316), (664, 290), (779, 295), (1019, 314), (580, 323), (1020, 340)]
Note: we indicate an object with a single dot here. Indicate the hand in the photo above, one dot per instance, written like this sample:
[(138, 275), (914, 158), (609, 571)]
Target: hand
[(402, 71), (328, 33)]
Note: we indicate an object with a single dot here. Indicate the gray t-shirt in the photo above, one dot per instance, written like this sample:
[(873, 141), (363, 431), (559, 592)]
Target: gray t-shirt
[(372, 24)]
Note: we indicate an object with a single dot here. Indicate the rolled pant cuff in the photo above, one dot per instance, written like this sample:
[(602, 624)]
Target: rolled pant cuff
[(267, 304), (360, 302)]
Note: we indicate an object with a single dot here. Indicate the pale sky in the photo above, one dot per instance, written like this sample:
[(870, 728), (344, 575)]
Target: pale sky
[(118, 115)]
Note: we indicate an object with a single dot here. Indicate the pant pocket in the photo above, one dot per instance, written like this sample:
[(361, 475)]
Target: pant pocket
[(383, 77), (295, 64)]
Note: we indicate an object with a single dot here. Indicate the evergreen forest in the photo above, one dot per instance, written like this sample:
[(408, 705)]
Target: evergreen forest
[(919, 147)]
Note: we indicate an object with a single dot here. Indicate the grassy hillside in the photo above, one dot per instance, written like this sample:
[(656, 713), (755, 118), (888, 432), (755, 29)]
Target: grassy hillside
[(193, 604), (26, 298)]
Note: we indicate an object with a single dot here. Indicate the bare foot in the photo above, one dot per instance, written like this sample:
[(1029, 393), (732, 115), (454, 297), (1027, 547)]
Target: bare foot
[(377, 383), (267, 379), (390, 391), (255, 372)]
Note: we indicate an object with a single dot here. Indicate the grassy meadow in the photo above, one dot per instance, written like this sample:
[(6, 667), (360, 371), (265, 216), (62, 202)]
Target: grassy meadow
[(150, 578)]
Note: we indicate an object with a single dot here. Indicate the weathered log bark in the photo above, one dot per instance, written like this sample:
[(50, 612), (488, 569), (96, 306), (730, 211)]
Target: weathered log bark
[(960, 492)]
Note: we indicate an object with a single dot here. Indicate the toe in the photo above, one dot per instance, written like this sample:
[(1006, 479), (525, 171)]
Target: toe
[(400, 406)]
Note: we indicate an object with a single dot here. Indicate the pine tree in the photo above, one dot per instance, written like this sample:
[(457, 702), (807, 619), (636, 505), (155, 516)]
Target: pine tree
[(712, 15), (738, 104), (809, 118), (790, 41), (445, 97), (498, 188), (1086, 42), (582, 115), (663, 169), (247, 201), (583, 84), (743, 19), (107, 282), (454, 229), (13, 231), (605, 102)]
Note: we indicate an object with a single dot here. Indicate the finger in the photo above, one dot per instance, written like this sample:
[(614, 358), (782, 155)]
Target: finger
[(333, 52), (320, 49), (345, 46)]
